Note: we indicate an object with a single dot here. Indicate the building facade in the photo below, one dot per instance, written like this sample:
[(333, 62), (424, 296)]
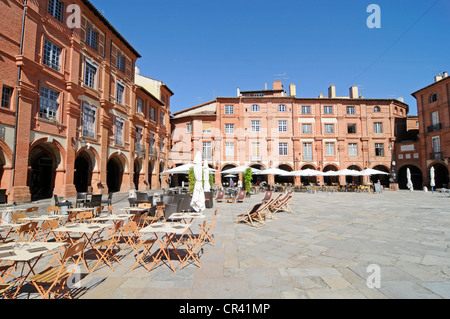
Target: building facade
[(433, 107), (274, 129), (71, 111)]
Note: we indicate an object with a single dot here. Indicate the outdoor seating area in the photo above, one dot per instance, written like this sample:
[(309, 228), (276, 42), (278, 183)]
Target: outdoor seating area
[(40, 249)]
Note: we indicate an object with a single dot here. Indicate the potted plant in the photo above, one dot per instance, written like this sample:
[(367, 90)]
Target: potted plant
[(192, 180), (248, 176)]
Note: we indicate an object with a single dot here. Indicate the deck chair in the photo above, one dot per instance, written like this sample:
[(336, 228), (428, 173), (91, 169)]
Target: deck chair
[(52, 281), (220, 196), (104, 249), (253, 216), (269, 204), (267, 196), (241, 196), (283, 205)]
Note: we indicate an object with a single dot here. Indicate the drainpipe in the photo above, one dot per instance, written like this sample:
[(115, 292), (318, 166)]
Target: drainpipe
[(19, 75)]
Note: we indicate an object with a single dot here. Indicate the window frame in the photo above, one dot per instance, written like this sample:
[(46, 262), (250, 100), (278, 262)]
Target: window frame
[(229, 128), (122, 96), (90, 40), (282, 126), (282, 108), (306, 109), (378, 128), (49, 101), (51, 56), (306, 125), (327, 126), (52, 9), (85, 126), (350, 149), (229, 109), (379, 150), (255, 108), (119, 138), (328, 110), (351, 110), (255, 126), (7, 93), (88, 64), (283, 149)]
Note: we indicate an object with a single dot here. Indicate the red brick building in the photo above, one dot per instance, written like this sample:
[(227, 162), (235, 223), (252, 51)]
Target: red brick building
[(274, 129), (71, 112), (433, 107)]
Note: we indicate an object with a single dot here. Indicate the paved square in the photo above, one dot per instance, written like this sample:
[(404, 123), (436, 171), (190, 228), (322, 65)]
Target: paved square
[(322, 251)]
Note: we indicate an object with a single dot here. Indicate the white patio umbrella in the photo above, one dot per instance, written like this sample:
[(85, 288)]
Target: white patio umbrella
[(348, 172), (306, 172), (409, 184), (273, 171), (432, 181), (239, 170), (198, 197), (183, 169), (370, 171), (206, 171)]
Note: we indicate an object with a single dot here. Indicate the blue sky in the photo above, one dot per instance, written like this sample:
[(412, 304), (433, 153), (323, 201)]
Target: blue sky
[(207, 48)]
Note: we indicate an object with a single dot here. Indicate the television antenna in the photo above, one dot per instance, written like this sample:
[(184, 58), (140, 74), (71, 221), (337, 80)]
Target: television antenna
[(281, 76)]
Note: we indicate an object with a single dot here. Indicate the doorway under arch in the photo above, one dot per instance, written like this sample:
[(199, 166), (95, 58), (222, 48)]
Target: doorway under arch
[(357, 180), (384, 179), (328, 180), (416, 177), (82, 174), (441, 178), (114, 175)]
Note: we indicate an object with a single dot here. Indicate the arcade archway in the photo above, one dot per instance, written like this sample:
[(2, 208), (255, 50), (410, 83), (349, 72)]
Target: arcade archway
[(114, 174), (416, 177), (441, 176)]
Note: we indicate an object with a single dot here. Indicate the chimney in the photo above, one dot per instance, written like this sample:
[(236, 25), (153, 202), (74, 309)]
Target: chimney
[(293, 90), (354, 92), (332, 91), (238, 92), (401, 99), (321, 96), (437, 78), (137, 70), (445, 74), (277, 85), (265, 86)]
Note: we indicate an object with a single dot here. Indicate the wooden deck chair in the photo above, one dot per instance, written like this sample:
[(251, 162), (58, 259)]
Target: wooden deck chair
[(52, 281), (267, 196), (220, 196), (241, 196), (105, 249), (253, 216), (282, 206), (270, 204)]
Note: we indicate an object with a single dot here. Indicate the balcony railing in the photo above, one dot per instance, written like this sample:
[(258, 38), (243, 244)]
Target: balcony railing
[(436, 155), (435, 127), (153, 151)]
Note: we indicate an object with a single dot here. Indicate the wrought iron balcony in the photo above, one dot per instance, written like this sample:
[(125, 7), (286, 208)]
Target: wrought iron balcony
[(435, 127), (436, 155)]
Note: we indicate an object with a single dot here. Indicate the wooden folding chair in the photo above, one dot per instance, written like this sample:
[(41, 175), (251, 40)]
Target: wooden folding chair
[(28, 231), (52, 281), (84, 217), (5, 290), (159, 215), (31, 210), (52, 210), (254, 217), (71, 218), (206, 230), (16, 218), (104, 249), (98, 211)]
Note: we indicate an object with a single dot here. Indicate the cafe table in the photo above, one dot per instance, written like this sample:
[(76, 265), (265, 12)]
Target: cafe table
[(79, 231), (7, 213), (170, 231), (135, 211), (29, 254)]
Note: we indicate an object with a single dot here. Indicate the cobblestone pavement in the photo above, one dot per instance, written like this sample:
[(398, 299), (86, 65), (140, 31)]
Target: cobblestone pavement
[(322, 251)]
